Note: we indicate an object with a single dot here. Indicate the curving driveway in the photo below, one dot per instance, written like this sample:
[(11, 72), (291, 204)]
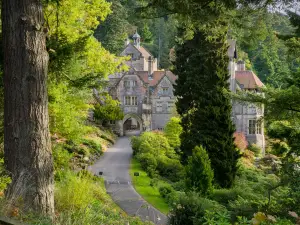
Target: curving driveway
[(114, 165)]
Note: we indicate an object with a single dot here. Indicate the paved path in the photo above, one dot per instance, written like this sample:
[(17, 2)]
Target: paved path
[(115, 165)]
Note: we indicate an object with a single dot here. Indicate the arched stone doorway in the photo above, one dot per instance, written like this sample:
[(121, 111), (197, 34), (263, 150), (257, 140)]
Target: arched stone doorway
[(132, 125)]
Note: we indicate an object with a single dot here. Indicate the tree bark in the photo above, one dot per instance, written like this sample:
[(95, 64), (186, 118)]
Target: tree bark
[(27, 147)]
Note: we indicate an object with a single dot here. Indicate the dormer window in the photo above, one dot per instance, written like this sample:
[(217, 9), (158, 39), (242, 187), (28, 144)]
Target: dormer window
[(165, 91)]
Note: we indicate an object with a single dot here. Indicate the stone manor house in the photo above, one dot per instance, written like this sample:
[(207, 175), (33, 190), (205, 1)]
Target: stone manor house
[(147, 99)]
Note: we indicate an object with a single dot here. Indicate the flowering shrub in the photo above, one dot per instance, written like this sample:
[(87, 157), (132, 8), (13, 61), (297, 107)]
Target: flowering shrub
[(240, 140)]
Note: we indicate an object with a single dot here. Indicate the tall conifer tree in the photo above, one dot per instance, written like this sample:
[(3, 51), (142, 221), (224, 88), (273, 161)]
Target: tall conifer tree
[(202, 68)]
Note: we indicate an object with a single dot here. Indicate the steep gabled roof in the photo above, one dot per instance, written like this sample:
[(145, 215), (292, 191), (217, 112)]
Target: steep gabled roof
[(248, 79), (157, 76), (144, 52)]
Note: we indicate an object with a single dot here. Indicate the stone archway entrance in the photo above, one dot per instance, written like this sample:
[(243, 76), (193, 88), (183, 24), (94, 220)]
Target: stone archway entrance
[(132, 125)]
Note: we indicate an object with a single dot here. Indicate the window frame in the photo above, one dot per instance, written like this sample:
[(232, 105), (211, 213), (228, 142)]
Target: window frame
[(158, 106), (165, 90), (127, 83), (254, 126), (131, 100)]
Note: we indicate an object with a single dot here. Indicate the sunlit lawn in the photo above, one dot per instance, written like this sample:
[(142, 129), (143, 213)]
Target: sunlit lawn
[(142, 186)]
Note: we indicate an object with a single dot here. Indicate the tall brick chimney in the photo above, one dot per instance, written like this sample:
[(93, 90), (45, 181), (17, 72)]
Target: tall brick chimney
[(241, 65), (150, 67)]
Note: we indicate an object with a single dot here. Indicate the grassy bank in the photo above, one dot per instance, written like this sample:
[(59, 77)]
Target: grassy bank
[(80, 197), (142, 185)]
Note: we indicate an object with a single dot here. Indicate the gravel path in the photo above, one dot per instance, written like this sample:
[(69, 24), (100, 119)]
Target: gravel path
[(114, 165)]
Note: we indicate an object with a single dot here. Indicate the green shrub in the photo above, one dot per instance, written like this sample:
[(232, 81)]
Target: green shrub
[(218, 218), (172, 131), (245, 207), (105, 137), (94, 147), (191, 209), (148, 162), (254, 148), (61, 157), (224, 196), (109, 110), (151, 142), (170, 168), (199, 175), (155, 155), (83, 151), (179, 185), (4, 178), (73, 192), (165, 190), (82, 199), (280, 148), (135, 144), (169, 194)]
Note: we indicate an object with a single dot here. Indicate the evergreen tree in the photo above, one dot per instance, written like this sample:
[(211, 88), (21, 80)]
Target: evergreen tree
[(112, 33), (199, 175), (202, 68)]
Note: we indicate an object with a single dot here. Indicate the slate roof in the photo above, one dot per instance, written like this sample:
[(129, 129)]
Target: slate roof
[(144, 52), (248, 80), (156, 77)]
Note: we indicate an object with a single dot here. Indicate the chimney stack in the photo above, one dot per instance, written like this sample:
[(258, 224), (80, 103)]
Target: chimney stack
[(150, 67), (127, 42), (241, 65)]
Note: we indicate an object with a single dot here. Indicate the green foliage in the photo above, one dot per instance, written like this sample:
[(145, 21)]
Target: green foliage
[(94, 147), (146, 34), (256, 32), (113, 31), (170, 168), (151, 142), (109, 110), (68, 112), (74, 193), (217, 218), (165, 190), (82, 199), (148, 162), (61, 157), (191, 209), (256, 149), (147, 187), (169, 194), (202, 68), (153, 151), (4, 178), (199, 175), (280, 148), (173, 131), (71, 41)]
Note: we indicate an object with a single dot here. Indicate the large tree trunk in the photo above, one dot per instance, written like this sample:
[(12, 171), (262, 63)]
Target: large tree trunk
[(27, 146)]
